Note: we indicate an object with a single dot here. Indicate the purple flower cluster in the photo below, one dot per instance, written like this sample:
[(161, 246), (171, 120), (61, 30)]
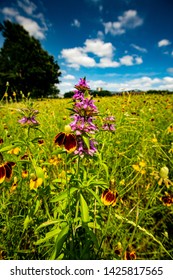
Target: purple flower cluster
[(109, 123), (84, 112), (29, 121), (30, 118)]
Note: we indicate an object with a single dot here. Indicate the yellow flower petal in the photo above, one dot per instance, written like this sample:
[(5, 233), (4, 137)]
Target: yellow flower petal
[(136, 167)]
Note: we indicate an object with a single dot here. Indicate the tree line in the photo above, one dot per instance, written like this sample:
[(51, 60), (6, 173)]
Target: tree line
[(25, 65)]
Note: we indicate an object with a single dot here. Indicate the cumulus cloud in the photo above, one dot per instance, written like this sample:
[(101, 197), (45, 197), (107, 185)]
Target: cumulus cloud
[(98, 47), (126, 60), (163, 43), (129, 20), (76, 57), (75, 23), (31, 26), (102, 56), (106, 62), (35, 28)]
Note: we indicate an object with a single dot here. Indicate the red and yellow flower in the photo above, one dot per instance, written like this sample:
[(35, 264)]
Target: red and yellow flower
[(6, 171), (109, 197)]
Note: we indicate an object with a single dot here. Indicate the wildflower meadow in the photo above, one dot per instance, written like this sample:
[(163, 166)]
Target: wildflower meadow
[(86, 178)]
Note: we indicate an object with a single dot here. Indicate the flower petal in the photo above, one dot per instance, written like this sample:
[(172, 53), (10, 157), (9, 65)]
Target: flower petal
[(9, 172), (59, 139), (70, 143), (2, 173)]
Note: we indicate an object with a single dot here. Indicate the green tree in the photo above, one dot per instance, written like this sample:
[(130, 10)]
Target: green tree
[(24, 64), (68, 94)]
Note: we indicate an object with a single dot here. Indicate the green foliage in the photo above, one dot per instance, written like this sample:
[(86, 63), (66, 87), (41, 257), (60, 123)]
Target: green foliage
[(68, 94), (25, 65)]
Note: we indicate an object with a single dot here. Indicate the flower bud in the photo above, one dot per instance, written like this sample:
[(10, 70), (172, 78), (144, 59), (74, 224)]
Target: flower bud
[(67, 128), (164, 172)]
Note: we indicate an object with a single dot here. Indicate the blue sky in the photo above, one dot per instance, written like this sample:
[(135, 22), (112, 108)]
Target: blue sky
[(117, 44)]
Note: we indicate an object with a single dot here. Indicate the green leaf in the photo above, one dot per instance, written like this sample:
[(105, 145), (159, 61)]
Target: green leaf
[(98, 183), (39, 173), (8, 148), (64, 195), (59, 180), (26, 223), (84, 209), (38, 203), (106, 170), (95, 195), (86, 141), (48, 236), (48, 223), (59, 242)]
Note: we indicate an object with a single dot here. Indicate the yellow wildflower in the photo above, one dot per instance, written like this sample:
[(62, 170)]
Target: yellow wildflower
[(14, 151), (35, 183)]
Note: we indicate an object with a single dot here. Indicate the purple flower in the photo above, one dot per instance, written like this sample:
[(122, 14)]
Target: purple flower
[(29, 121), (85, 107), (108, 127), (82, 85), (111, 118), (82, 149), (83, 125), (78, 95)]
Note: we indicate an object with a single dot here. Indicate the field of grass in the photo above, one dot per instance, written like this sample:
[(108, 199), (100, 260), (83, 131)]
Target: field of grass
[(52, 209)]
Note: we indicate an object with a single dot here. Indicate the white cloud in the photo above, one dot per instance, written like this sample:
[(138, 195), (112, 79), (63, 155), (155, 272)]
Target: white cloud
[(139, 48), (98, 47), (138, 60), (170, 70), (35, 28), (76, 57), (115, 28), (100, 35), (107, 62), (65, 87), (129, 20), (28, 6), (31, 26), (9, 12), (143, 83), (75, 23), (126, 60), (163, 43), (69, 77)]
